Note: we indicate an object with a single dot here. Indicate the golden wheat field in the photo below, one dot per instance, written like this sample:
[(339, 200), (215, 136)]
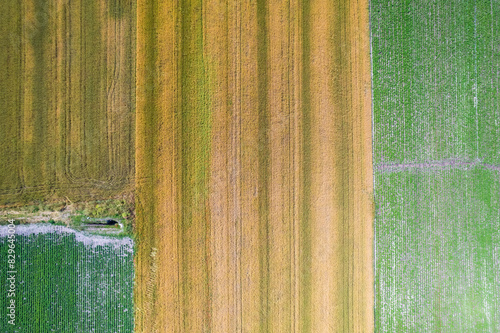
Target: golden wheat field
[(253, 167)]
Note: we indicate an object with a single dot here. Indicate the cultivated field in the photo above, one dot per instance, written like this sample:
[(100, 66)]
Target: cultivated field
[(253, 167), (66, 281), (435, 73), (437, 253), (67, 102), (436, 155)]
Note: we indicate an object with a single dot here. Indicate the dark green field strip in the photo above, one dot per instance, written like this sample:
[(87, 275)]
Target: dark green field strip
[(64, 285), (264, 167), (437, 251), (195, 149)]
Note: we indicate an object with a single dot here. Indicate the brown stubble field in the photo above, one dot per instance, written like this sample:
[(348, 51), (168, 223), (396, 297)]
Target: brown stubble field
[(254, 181)]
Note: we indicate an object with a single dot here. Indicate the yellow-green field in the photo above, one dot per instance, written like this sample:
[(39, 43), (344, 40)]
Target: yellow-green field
[(67, 88)]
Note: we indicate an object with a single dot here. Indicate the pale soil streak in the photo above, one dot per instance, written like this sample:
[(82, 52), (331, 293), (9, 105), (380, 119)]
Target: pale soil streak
[(281, 170), (252, 274), (341, 173), (363, 214), (222, 184), (326, 180)]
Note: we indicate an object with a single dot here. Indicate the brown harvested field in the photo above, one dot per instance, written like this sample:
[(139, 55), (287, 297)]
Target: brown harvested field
[(254, 169), (69, 106)]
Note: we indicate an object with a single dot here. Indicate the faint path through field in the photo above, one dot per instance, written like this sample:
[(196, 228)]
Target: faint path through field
[(433, 165)]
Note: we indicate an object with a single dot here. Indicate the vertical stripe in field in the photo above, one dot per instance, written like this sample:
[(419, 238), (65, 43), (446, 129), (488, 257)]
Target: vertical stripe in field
[(173, 157), (74, 128), (305, 236), (157, 294), (328, 290), (10, 95), (60, 87), (278, 179), (253, 208), (296, 184), (263, 162), (337, 171), (283, 84), (363, 205), (118, 34), (194, 222), (36, 147), (223, 189), (234, 161)]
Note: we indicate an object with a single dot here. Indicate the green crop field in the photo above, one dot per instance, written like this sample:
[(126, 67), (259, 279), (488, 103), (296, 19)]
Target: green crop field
[(436, 143), (67, 282), (435, 80), (438, 250)]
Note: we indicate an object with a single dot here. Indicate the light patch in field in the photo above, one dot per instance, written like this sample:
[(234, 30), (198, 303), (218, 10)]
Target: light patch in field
[(88, 240)]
